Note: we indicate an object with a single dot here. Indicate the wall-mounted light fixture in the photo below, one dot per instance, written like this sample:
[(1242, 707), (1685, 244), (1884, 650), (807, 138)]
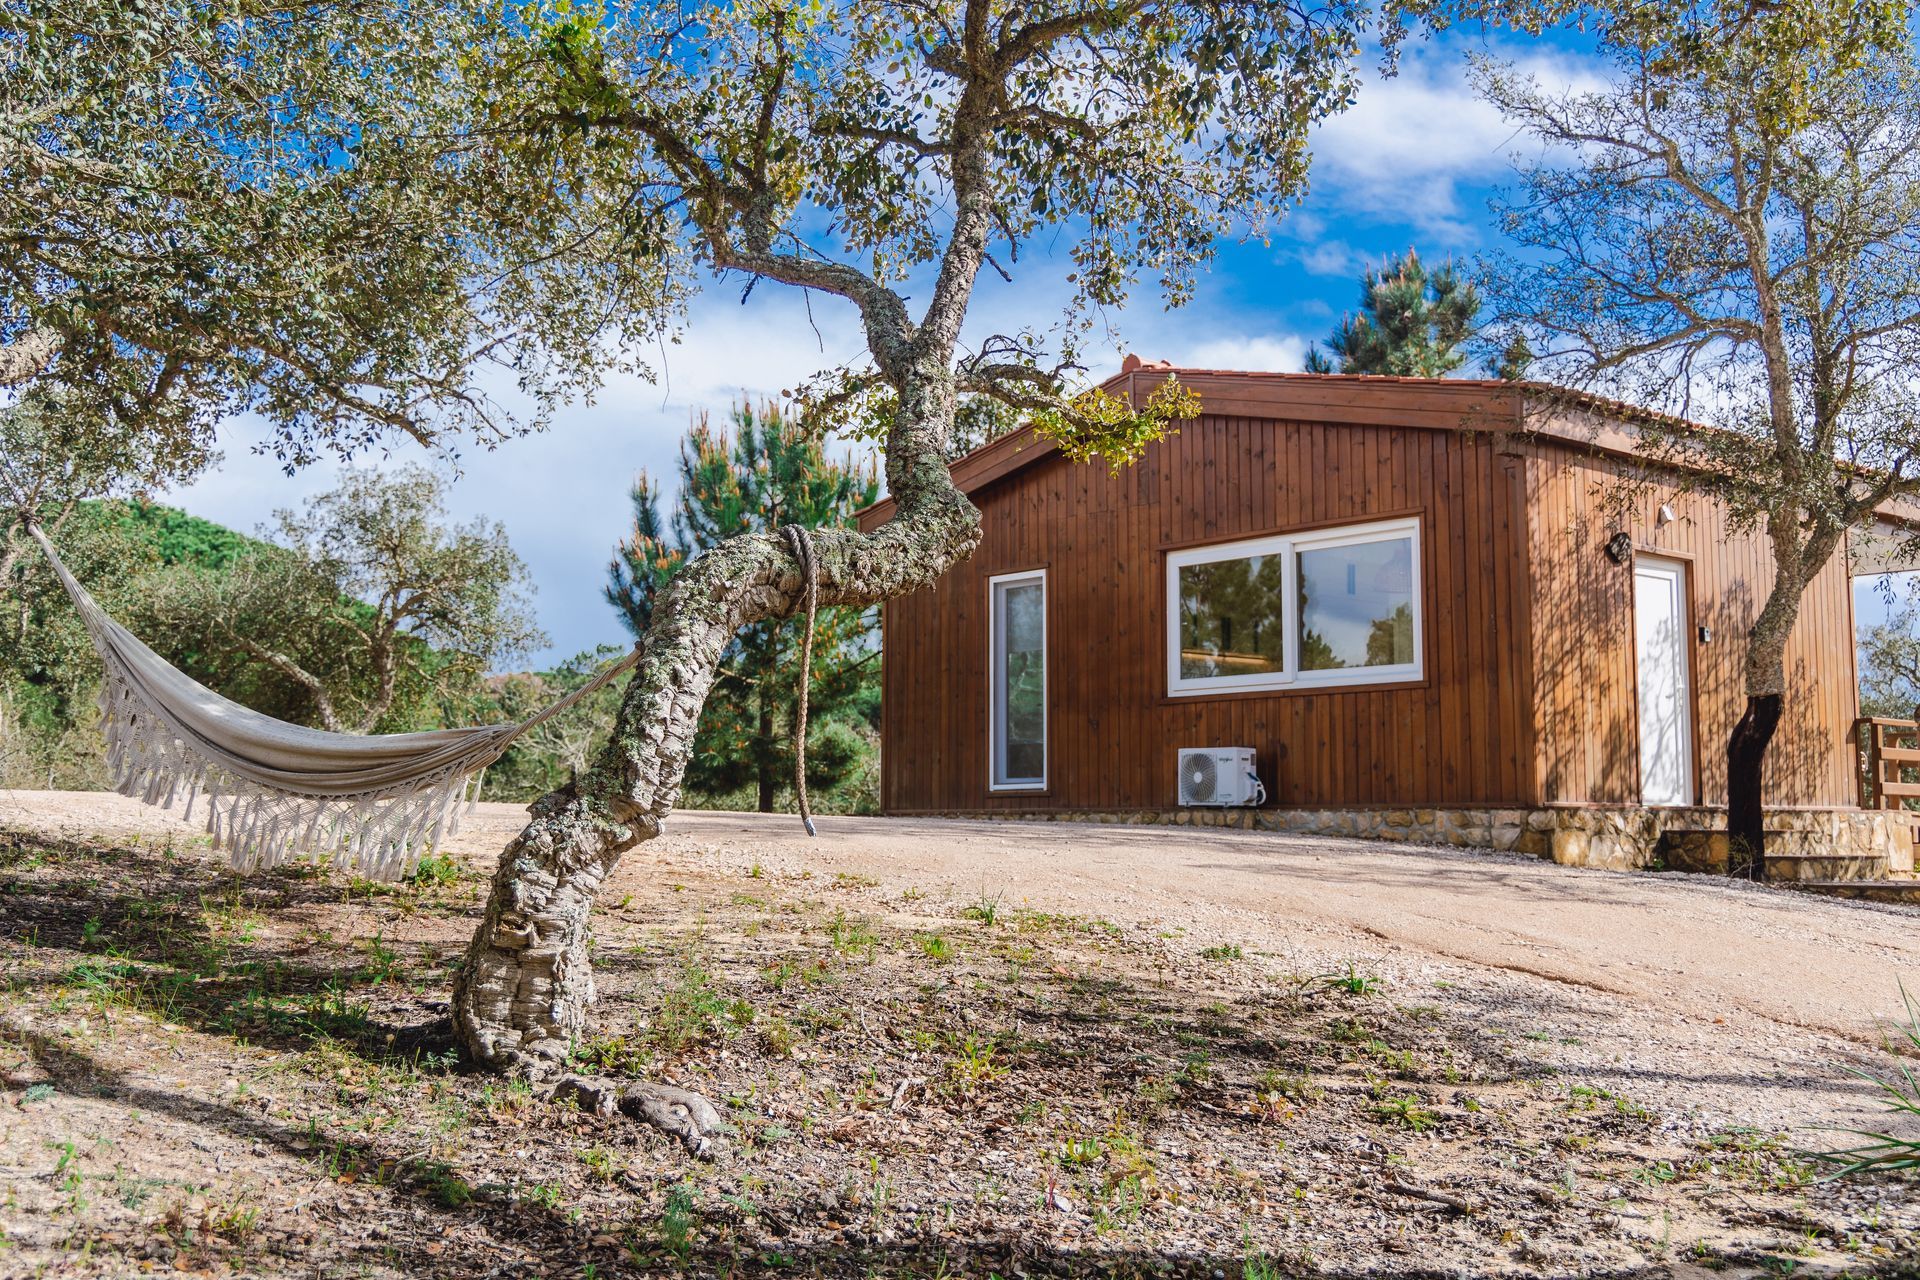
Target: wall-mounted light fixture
[(1620, 548), (1664, 517), (1706, 635)]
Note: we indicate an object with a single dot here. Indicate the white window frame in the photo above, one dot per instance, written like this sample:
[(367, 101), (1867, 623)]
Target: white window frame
[(1288, 547), (997, 684)]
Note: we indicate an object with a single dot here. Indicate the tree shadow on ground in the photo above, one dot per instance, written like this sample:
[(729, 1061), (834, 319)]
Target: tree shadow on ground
[(1082, 1020), (404, 1222), (158, 934)]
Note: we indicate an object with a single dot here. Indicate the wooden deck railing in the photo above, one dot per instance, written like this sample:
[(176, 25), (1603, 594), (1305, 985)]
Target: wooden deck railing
[(1889, 762)]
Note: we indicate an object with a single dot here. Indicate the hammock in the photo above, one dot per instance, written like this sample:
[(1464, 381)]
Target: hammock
[(276, 792)]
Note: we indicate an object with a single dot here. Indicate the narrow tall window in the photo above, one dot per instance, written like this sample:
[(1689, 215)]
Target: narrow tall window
[(1017, 672)]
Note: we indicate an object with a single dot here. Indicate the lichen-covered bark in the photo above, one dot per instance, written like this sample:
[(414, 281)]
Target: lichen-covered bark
[(523, 992)]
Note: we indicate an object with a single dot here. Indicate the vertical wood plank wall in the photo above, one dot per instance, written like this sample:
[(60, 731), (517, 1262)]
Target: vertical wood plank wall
[(1584, 676), (1464, 736)]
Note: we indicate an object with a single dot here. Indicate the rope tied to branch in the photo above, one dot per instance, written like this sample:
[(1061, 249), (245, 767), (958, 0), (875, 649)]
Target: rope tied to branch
[(802, 543)]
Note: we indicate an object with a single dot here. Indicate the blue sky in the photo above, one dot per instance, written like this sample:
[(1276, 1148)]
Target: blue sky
[(1412, 164)]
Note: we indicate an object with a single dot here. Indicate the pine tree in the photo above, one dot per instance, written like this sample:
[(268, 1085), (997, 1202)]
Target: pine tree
[(1515, 359), (1412, 323), (754, 475)]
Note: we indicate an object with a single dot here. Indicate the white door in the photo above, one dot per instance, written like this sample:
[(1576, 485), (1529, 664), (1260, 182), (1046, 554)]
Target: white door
[(1666, 696)]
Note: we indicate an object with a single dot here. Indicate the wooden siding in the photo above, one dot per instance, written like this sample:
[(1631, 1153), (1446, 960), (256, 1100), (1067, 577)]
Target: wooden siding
[(1462, 736), (1584, 677)]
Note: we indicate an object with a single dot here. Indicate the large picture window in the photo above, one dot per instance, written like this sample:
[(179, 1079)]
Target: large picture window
[(1017, 674), (1331, 607)]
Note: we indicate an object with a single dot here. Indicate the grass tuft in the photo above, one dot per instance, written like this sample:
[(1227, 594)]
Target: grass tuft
[(1886, 1152), (987, 911)]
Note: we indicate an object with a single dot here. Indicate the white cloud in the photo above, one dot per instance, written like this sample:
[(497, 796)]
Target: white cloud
[(1332, 258), (1410, 142), (562, 494), (1257, 353)]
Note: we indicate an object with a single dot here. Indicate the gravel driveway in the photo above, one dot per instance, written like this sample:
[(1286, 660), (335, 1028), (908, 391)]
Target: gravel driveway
[(1726, 1002)]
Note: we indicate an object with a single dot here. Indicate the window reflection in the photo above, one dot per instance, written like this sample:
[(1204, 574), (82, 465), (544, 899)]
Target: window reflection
[(1356, 605), (1265, 613), (1023, 693), (1231, 617)]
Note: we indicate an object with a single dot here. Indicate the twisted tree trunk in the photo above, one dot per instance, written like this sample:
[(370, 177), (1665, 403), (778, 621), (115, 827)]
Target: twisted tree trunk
[(522, 994)]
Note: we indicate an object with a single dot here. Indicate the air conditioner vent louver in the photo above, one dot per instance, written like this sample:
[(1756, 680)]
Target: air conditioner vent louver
[(1220, 776), (1199, 777)]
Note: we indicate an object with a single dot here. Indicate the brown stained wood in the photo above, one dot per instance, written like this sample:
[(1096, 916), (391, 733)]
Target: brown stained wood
[(1583, 641), (1529, 694), (1114, 732)]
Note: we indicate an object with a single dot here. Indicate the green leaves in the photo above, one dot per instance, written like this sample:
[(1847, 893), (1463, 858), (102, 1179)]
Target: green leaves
[(1142, 130), (291, 209), (1097, 424)]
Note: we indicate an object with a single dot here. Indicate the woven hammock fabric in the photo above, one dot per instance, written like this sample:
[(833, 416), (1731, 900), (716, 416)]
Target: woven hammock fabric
[(275, 792)]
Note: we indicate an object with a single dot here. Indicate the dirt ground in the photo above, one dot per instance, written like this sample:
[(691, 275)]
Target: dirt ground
[(950, 1049)]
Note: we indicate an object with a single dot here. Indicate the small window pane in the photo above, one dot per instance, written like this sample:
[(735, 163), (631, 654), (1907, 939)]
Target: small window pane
[(1026, 693), (1356, 605), (1231, 617), (1022, 710)]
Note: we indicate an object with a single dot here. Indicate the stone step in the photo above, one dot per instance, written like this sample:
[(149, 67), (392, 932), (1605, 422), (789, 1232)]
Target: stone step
[(1700, 852), (1897, 891), (1825, 867), (1791, 856), (1780, 839)]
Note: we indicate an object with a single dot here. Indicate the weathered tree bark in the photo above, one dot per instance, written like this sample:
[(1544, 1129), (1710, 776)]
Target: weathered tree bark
[(522, 993), (27, 356)]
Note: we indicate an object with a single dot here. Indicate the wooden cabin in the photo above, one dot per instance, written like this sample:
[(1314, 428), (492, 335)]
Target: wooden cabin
[(1402, 594)]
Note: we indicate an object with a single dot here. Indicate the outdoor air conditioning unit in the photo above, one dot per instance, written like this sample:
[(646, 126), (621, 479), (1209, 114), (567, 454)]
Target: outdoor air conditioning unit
[(1222, 776)]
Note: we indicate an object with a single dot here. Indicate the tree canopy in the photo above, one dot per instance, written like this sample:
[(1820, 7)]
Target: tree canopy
[(282, 207), (829, 147), (1732, 233), (369, 605)]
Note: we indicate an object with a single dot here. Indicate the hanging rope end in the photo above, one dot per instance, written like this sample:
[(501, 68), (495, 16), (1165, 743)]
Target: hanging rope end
[(802, 543)]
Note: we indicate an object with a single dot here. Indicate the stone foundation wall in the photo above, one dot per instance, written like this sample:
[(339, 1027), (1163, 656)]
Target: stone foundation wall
[(1617, 838)]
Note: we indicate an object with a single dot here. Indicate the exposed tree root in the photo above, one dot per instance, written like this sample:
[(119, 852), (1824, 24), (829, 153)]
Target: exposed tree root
[(678, 1113)]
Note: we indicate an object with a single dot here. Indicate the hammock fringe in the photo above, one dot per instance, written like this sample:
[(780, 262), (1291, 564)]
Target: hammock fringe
[(401, 794), (380, 837)]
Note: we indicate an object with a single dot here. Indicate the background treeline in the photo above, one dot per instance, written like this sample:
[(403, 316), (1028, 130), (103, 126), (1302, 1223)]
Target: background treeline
[(365, 612), (370, 611)]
